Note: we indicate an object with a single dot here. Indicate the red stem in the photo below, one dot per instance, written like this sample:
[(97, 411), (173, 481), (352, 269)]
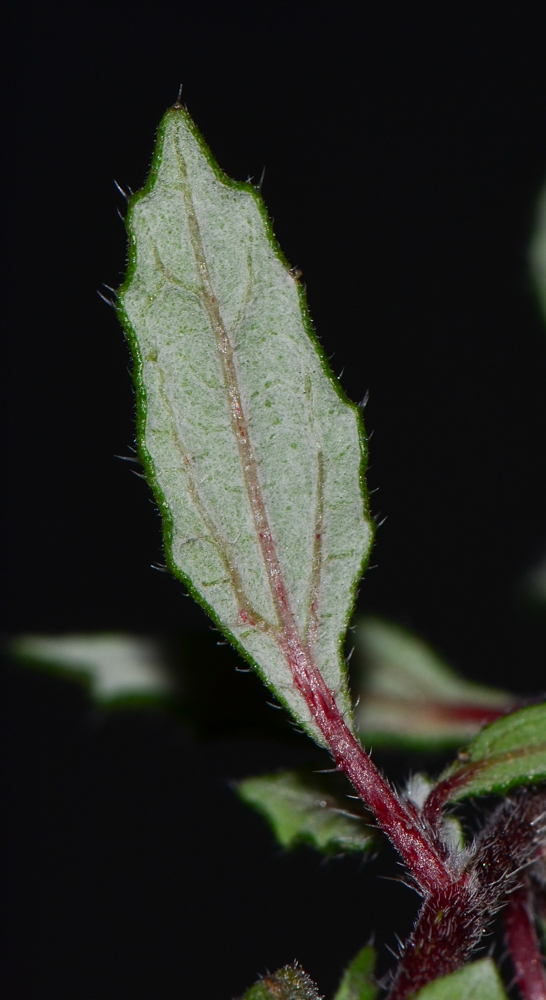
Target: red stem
[(522, 941), (409, 837)]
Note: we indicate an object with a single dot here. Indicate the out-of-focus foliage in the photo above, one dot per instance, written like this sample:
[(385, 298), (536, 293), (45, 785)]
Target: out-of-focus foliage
[(357, 982), (117, 667), (410, 697)]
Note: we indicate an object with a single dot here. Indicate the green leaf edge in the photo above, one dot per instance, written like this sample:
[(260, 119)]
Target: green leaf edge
[(132, 339), (363, 964), (463, 791)]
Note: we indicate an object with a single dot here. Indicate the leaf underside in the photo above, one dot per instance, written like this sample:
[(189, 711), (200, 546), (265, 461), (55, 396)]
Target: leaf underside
[(410, 697), (509, 752), (301, 809), (477, 981), (254, 454)]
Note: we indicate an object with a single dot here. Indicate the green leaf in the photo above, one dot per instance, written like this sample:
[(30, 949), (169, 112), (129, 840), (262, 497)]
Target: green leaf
[(115, 666), (409, 696), (301, 808), (477, 981), (254, 454), (289, 983), (510, 752), (357, 982)]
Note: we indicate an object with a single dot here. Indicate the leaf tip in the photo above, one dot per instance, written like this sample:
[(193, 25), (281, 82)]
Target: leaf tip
[(178, 103)]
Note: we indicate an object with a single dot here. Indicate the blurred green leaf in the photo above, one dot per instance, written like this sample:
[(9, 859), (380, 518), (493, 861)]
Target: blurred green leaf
[(535, 583), (116, 667), (537, 251), (357, 982), (203, 681), (289, 983), (301, 807), (410, 697), (509, 752), (477, 981), (536, 579)]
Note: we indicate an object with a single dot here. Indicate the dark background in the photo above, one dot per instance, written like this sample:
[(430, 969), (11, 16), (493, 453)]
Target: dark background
[(404, 145)]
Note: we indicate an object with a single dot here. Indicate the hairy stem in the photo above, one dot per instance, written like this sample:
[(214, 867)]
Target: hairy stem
[(452, 921), (447, 931), (522, 941), (407, 834)]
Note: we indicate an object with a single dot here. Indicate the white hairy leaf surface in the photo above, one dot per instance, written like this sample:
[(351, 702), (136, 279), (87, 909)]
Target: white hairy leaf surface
[(255, 455)]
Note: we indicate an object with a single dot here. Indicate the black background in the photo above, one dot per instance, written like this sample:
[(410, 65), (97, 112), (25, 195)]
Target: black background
[(404, 145)]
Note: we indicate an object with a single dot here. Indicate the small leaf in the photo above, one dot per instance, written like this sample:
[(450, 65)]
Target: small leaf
[(477, 981), (509, 752), (253, 451), (302, 809), (357, 982), (116, 666), (289, 983), (409, 696)]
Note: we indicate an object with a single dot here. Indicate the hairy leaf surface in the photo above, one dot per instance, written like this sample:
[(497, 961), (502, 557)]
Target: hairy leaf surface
[(302, 809), (289, 983), (509, 752), (115, 666), (357, 982), (409, 696), (477, 981), (254, 454)]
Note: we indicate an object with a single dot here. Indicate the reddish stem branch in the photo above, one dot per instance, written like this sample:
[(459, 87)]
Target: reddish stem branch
[(442, 792), (522, 941)]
